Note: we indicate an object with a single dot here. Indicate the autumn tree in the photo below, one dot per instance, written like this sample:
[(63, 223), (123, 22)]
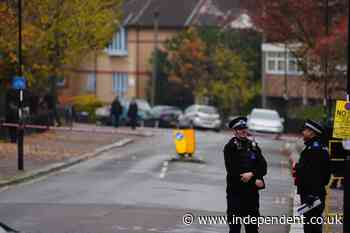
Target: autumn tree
[(7, 41), (315, 29), (210, 69), (57, 34)]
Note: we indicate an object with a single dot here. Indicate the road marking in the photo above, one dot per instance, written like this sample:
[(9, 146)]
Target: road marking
[(277, 200), (280, 200), (137, 228), (164, 169)]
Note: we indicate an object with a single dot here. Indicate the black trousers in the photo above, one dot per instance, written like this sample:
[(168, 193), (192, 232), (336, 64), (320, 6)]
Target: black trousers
[(316, 212), (242, 205), (133, 122)]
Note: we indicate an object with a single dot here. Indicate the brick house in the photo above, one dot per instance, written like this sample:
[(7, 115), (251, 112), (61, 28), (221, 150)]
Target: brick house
[(123, 68), (284, 79)]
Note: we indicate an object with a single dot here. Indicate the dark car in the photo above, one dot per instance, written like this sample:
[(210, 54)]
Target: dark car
[(165, 115), (145, 117)]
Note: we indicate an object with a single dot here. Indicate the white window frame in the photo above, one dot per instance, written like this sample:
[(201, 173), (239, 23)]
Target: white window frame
[(119, 44), (120, 83), (90, 82), (276, 54)]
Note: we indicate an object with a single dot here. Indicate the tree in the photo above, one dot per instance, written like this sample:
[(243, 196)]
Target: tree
[(201, 61), (317, 28), (189, 59), (232, 86), (57, 34), (7, 41)]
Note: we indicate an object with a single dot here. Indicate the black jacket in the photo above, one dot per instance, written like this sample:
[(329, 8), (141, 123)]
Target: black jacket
[(116, 108), (313, 169), (243, 156), (133, 110)]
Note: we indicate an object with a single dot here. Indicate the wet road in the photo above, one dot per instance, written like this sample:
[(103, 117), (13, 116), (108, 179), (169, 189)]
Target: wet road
[(138, 189)]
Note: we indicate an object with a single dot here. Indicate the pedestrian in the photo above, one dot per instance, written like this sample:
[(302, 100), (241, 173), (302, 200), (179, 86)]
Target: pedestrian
[(133, 113), (312, 173), (116, 111), (245, 167), (52, 102)]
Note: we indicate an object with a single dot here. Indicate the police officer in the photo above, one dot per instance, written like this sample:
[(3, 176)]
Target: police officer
[(245, 166), (312, 173)]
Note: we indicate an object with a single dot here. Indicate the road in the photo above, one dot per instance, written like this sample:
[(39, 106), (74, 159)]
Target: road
[(138, 189)]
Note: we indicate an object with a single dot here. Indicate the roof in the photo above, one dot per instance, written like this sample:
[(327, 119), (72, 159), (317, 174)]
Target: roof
[(171, 13), (180, 13)]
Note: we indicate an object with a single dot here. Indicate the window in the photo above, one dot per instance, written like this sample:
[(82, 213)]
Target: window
[(91, 82), (276, 63), (120, 83), (119, 45), (293, 67)]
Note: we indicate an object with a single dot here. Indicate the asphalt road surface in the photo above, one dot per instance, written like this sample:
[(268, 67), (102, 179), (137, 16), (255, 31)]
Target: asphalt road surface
[(138, 188)]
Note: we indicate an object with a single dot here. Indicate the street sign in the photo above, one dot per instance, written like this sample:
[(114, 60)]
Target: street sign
[(19, 83), (342, 120), (179, 136)]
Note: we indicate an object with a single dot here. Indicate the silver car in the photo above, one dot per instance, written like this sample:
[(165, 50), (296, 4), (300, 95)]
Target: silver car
[(265, 120), (201, 116)]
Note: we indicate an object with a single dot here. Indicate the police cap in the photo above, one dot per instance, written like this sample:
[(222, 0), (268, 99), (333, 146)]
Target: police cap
[(238, 123), (314, 126)]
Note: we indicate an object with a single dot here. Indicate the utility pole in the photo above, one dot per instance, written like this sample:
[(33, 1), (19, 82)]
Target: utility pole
[(325, 67), (263, 76), (346, 208), (155, 57), (20, 130)]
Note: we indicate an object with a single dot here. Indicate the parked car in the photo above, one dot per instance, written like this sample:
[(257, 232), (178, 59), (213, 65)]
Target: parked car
[(144, 113), (103, 114), (201, 116), (265, 120), (165, 115)]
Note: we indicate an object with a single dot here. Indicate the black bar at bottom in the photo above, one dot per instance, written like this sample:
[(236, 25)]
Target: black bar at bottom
[(346, 223)]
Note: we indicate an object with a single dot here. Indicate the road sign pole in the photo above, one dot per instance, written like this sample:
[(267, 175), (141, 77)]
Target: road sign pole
[(346, 222), (20, 130)]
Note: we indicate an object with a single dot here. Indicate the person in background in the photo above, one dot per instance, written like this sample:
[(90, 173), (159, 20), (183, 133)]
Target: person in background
[(116, 111), (133, 113)]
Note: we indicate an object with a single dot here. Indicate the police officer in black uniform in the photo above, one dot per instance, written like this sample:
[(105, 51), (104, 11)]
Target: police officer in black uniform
[(312, 173), (245, 166)]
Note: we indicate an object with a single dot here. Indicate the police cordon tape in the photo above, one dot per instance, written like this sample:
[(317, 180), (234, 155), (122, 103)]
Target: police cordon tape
[(73, 129)]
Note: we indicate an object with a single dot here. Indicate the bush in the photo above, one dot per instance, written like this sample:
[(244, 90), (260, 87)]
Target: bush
[(87, 103), (309, 112)]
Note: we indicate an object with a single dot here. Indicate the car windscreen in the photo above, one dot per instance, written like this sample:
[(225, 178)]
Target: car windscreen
[(143, 105), (266, 115), (207, 109)]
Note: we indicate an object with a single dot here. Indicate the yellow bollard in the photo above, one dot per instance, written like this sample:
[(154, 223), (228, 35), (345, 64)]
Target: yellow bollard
[(180, 141), (190, 141), (185, 142)]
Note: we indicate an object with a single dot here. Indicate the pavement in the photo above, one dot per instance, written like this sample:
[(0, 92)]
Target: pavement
[(53, 150)]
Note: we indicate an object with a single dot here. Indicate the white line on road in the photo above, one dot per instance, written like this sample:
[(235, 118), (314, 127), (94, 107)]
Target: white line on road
[(164, 170)]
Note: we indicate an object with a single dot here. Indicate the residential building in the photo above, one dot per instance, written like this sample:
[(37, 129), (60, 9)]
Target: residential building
[(283, 78), (123, 69)]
